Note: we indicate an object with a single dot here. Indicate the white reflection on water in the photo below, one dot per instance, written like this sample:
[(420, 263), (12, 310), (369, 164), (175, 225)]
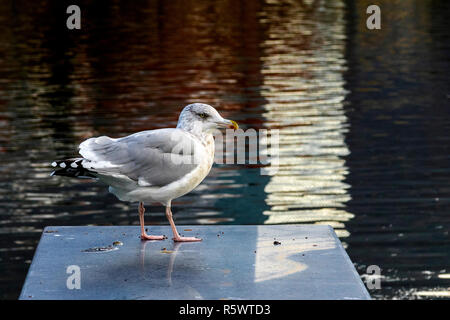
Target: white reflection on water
[(443, 293), (303, 65), (272, 264)]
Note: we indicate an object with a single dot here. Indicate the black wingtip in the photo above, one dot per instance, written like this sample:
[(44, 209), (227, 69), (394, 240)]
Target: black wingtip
[(71, 168)]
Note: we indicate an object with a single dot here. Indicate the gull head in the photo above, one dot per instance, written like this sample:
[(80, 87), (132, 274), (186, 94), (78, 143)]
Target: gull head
[(202, 118)]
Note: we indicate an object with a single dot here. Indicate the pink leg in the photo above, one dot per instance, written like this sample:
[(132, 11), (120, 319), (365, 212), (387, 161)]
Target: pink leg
[(145, 236), (176, 236)]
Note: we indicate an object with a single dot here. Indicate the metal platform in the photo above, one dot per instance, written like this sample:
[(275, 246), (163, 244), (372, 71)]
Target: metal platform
[(232, 262)]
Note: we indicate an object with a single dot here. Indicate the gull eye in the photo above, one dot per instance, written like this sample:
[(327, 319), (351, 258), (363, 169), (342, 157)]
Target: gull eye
[(203, 115)]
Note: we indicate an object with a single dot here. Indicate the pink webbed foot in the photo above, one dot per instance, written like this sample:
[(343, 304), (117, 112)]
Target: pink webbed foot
[(176, 235), (186, 239), (147, 237)]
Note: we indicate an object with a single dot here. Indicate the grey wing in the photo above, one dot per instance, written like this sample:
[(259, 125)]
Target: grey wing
[(151, 158)]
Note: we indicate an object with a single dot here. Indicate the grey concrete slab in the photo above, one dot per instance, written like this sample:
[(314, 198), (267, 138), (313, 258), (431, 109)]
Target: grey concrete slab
[(232, 262)]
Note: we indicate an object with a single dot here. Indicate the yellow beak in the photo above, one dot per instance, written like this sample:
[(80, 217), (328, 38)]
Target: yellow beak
[(233, 125)]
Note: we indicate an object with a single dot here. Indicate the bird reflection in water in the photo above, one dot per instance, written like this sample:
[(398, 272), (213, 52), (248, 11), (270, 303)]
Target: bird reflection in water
[(189, 291), (172, 255)]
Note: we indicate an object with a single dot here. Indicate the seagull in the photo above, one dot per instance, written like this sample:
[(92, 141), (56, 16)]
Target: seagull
[(154, 165)]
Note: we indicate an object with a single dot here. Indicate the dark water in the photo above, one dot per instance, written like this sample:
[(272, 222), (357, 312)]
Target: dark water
[(363, 117)]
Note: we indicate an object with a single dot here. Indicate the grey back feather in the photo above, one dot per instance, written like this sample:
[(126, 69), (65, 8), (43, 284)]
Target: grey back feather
[(151, 158)]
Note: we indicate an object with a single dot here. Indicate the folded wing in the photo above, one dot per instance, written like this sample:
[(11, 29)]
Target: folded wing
[(151, 158)]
